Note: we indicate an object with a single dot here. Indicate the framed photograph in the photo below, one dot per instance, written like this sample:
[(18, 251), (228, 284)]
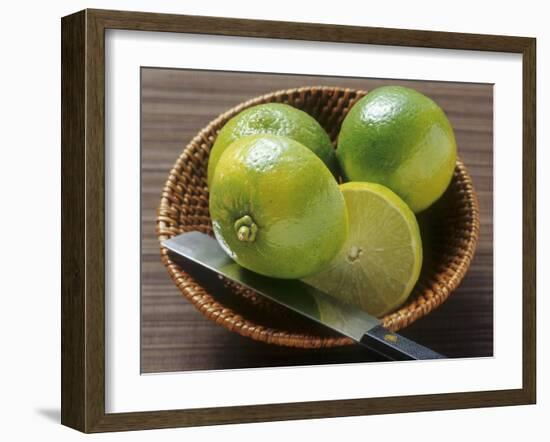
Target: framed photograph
[(271, 220)]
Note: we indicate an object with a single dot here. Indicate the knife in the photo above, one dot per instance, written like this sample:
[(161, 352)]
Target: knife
[(301, 298)]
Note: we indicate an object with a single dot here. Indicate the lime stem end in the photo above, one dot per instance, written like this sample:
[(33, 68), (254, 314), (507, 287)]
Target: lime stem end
[(246, 229)]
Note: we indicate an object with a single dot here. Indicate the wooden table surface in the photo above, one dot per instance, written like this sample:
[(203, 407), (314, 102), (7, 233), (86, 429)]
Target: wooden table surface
[(176, 104)]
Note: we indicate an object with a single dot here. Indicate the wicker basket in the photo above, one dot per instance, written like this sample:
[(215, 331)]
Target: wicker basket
[(449, 232)]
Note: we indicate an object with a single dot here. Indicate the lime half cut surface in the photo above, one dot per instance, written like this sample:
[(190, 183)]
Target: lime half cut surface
[(380, 263)]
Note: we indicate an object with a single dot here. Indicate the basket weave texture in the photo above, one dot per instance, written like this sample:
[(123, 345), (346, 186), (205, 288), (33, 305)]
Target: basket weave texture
[(449, 233)]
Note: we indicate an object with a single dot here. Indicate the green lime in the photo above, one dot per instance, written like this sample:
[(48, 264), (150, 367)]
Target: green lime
[(380, 262), (275, 119), (275, 207), (398, 137)]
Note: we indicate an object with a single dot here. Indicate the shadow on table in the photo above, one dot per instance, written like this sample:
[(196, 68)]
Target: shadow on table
[(51, 414)]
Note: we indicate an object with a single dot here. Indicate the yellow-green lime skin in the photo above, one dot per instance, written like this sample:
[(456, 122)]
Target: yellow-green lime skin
[(380, 262), (276, 119), (400, 138), (275, 207)]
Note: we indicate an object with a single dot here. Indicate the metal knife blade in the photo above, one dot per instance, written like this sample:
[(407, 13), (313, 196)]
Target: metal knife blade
[(301, 298)]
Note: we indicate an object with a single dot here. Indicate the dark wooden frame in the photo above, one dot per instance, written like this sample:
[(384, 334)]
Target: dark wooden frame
[(83, 215)]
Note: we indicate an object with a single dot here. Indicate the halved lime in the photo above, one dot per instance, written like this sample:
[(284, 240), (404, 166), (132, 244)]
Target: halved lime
[(380, 262)]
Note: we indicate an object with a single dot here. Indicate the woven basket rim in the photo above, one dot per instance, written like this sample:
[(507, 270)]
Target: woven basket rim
[(211, 308)]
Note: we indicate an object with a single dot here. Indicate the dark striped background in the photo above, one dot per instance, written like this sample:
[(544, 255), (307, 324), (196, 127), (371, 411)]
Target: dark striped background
[(176, 104)]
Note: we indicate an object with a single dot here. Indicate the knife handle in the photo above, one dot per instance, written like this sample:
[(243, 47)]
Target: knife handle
[(396, 347)]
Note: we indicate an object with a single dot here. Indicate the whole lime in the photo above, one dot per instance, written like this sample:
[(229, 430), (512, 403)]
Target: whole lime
[(276, 119), (275, 207), (398, 137)]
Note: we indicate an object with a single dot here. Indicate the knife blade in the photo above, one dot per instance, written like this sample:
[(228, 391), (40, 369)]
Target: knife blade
[(302, 298)]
